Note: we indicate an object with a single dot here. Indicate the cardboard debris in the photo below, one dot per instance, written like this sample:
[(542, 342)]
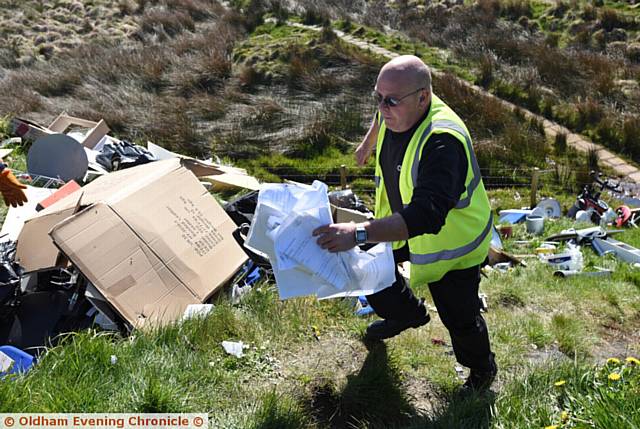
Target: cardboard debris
[(497, 256), (16, 216), (97, 130), (150, 239), (222, 177), (58, 194), (347, 215), (32, 131)]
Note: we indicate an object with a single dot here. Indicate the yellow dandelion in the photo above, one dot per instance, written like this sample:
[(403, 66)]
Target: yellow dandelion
[(551, 427), (614, 376), (614, 361), (564, 416), (632, 360), (559, 383)]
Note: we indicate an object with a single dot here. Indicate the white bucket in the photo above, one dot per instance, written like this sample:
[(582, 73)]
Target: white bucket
[(535, 224)]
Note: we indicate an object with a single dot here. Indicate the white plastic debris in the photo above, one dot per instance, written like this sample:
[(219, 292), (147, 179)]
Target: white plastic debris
[(235, 348), (197, 310), (114, 359), (570, 260)]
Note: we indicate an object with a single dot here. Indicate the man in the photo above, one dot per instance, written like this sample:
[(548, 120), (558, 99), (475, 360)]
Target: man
[(432, 205)]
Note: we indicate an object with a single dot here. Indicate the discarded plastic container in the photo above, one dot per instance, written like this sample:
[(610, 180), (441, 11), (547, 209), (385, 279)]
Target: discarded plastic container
[(14, 360), (570, 260), (535, 224)]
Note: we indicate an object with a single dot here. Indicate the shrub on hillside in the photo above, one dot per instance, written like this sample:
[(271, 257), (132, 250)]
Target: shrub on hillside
[(163, 22)]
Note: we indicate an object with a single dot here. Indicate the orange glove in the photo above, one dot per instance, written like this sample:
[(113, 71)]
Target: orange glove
[(11, 189)]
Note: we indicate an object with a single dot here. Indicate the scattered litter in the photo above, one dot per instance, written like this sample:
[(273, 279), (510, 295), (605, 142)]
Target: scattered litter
[(549, 208), (67, 189), (535, 224), (618, 248), (459, 372), (234, 348), (346, 199), (484, 307), (118, 155), (570, 260), (17, 216), (502, 266), (114, 359), (59, 156), (197, 310), (14, 360), (497, 256), (506, 231), (438, 342), (546, 248), (513, 216), (570, 273), (362, 306), (247, 277), (495, 238)]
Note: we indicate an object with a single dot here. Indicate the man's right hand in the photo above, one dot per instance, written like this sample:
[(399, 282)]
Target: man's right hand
[(11, 189)]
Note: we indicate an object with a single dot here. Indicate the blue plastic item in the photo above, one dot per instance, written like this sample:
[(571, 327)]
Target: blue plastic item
[(512, 218), (365, 308), (22, 361)]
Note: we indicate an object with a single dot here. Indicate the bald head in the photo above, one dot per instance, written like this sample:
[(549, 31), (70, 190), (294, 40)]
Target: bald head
[(408, 80), (408, 69)]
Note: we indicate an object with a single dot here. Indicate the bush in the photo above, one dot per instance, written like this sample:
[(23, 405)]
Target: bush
[(162, 21), (610, 19), (590, 113), (560, 144), (515, 9)]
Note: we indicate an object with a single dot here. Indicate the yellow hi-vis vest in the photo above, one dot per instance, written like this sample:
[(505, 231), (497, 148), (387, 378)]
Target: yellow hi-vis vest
[(465, 236)]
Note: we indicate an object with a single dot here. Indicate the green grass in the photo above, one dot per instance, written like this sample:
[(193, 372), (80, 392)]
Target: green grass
[(305, 365)]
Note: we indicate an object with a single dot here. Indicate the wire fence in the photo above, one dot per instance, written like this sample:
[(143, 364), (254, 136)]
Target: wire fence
[(361, 179)]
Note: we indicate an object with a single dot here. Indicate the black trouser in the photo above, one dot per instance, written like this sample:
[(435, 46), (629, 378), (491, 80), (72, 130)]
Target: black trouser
[(456, 298)]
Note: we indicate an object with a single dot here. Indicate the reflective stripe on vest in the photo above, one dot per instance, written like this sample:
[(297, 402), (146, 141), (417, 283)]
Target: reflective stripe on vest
[(428, 258), (450, 125)]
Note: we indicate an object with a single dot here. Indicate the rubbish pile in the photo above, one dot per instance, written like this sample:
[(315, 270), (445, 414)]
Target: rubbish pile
[(113, 235), (563, 251), (121, 237)]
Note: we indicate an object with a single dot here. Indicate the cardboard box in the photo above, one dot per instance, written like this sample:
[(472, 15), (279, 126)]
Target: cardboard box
[(341, 215), (32, 131), (151, 239)]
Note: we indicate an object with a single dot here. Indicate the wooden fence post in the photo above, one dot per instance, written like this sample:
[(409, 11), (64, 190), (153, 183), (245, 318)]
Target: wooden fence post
[(534, 187), (343, 176)]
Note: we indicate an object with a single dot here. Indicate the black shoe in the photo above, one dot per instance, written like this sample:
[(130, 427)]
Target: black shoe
[(387, 328), (480, 380)]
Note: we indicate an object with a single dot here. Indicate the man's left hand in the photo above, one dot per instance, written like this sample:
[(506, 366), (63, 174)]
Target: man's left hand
[(336, 237)]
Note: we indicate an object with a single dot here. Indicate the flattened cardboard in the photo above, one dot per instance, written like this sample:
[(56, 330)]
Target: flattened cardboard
[(156, 244)]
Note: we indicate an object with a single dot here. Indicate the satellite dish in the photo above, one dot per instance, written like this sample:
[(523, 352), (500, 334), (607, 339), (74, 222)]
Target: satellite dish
[(58, 156)]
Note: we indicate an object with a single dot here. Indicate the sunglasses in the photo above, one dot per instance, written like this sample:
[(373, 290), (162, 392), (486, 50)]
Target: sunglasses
[(391, 101)]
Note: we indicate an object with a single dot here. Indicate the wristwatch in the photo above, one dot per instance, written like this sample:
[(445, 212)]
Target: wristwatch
[(361, 235)]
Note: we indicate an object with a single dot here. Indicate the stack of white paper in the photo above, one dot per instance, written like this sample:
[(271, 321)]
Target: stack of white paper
[(281, 230)]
